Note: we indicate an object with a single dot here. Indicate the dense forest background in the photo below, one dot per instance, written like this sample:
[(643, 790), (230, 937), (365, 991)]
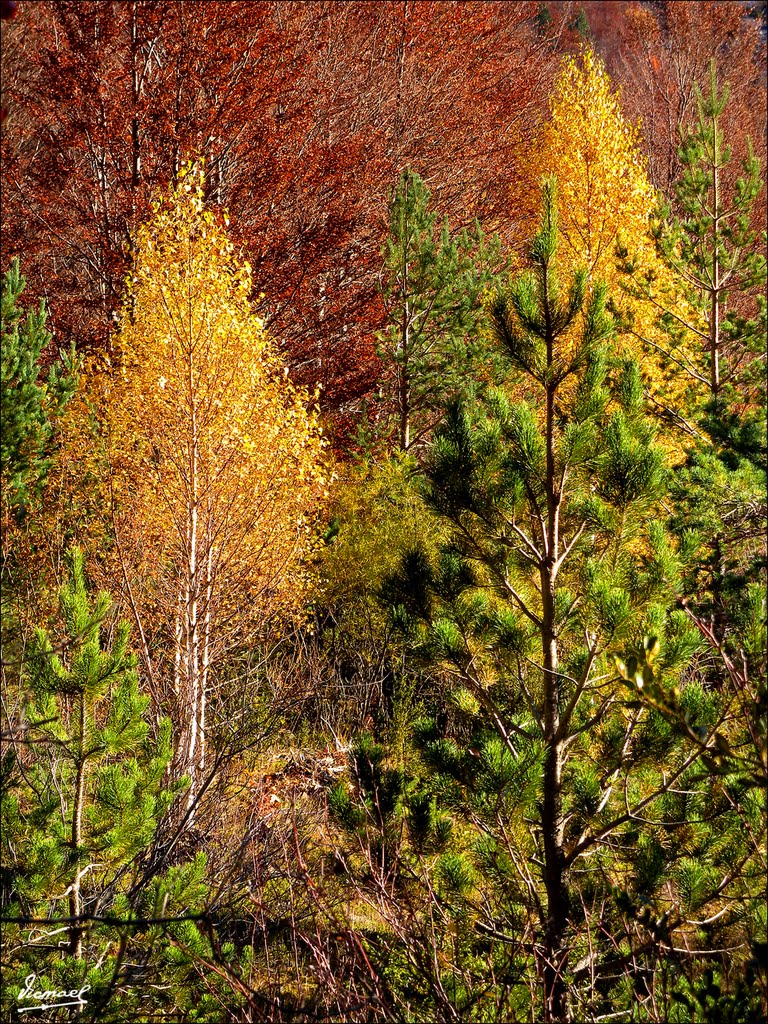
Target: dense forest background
[(384, 511)]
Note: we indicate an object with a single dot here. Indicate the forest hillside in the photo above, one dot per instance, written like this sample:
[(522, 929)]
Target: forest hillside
[(384, 512)]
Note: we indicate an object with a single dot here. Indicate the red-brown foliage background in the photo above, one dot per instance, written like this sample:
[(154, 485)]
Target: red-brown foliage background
[(305, 112)]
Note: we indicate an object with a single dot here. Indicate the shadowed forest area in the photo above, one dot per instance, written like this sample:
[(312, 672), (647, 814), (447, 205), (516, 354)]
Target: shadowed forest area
[(383, 465)]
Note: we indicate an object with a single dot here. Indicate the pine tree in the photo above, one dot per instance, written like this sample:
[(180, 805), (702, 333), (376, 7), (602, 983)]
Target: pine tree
[(28, 409), (715, 341), (716, 261), (558, 560), (720, 495), (581, 24), (31, 407), (83, 783), (432, 292), (714, 247)]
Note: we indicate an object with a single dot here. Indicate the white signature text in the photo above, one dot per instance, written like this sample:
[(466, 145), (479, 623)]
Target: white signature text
[(50, 999)]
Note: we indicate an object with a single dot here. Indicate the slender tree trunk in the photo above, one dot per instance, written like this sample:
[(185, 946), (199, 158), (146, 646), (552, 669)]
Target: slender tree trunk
[(404, 401), (178, 635), (193, 584), (714, 326), (553, 828), (207, 631), (404, 384), (192, 653), (401, 56), (135, 134), (556, 880), (75, 903)]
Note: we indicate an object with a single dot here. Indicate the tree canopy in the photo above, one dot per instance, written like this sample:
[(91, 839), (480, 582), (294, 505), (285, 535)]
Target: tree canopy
[(384, 512)]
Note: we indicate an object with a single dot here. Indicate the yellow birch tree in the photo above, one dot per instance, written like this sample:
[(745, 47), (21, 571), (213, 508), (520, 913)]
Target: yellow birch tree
[(214, 462), (608, 207), (594, 154)]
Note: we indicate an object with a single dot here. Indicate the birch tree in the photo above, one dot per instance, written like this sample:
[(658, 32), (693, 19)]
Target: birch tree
[(214, 459)]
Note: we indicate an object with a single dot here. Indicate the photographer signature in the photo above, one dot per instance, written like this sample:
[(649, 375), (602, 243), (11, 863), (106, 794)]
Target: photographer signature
[(47, 999)]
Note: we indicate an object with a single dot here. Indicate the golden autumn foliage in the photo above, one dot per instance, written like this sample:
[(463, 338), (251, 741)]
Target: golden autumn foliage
[(607, 206), (594, 155), (214, 460)]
